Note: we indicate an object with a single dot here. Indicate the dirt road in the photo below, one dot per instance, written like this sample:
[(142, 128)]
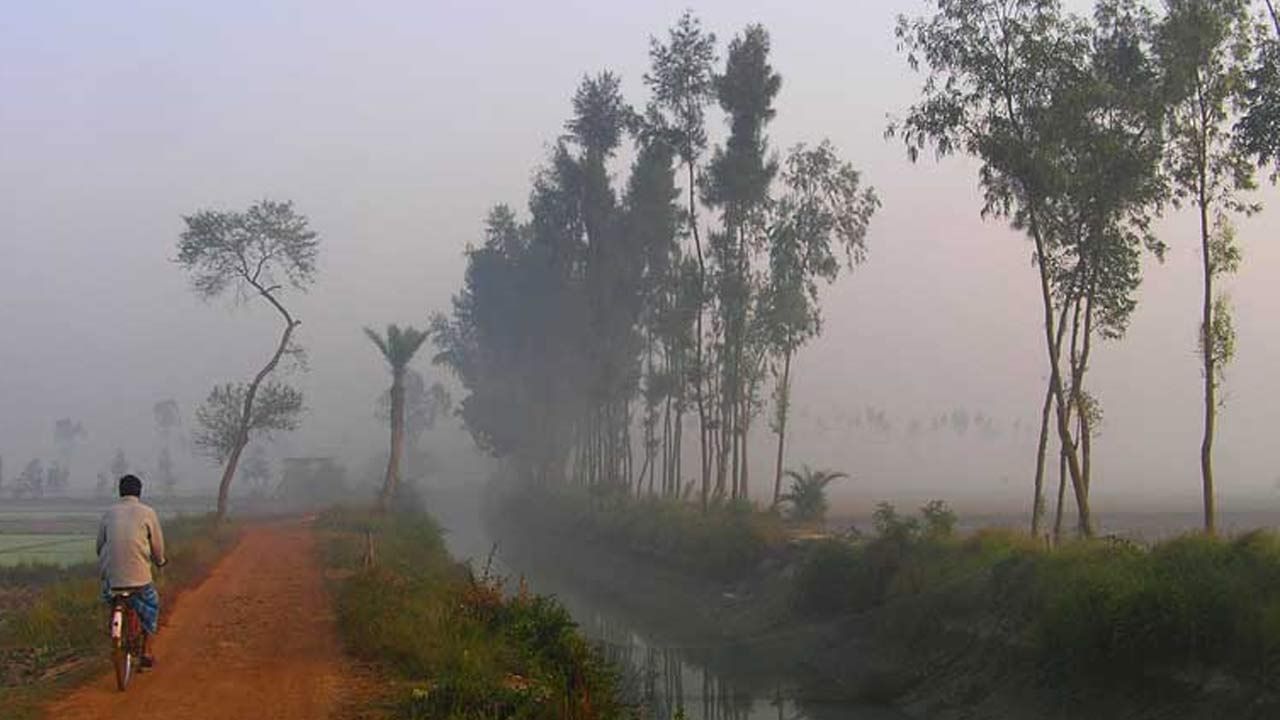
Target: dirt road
[(255, 640)]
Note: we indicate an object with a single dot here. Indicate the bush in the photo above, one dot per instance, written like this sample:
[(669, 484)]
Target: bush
[(727, 542), (908, 556), (1121, 610), (834, 577), (1108, 608)]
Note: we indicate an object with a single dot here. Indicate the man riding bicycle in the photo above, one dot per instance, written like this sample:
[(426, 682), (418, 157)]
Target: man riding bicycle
[(129, 540)]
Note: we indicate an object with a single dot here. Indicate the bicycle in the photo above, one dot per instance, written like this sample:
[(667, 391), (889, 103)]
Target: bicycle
[(126, 637)]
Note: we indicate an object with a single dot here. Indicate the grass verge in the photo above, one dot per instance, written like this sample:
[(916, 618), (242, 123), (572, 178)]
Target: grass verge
[(456, 644)]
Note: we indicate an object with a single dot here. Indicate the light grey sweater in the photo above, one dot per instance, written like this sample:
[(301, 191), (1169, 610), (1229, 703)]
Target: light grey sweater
[(129, 539)]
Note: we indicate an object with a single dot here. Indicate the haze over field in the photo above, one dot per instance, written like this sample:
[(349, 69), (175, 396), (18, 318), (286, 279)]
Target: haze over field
[(395, 129)]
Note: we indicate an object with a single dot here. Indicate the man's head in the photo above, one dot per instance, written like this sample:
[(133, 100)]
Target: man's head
[(130, 485)]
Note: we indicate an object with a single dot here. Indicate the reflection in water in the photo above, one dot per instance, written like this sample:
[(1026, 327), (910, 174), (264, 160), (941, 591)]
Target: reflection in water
[(667, 685)]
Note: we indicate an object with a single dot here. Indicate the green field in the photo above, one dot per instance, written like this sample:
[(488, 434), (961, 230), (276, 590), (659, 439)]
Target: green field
[(50, 549)]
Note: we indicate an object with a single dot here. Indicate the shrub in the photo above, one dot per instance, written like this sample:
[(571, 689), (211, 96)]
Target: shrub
[(808, 493), (727, 542), (939, 522), (1121, 611), (833, 577), (892, 527)]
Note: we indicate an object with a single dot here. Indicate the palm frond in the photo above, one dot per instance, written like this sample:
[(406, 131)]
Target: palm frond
[(399, 345), (377, 340)]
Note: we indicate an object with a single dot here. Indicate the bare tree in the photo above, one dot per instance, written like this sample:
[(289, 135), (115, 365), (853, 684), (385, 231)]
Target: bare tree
[(257, 253)]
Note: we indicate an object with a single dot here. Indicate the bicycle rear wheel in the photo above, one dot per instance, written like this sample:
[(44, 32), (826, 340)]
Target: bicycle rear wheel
[(125, 641), (120, 655)]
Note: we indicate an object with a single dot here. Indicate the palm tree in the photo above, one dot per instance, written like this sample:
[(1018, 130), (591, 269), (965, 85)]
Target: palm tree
[(808, 493), (398, 347)]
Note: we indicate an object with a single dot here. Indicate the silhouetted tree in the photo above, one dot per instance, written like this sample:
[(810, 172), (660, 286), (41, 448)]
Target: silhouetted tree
[(822, 216), (681, 78), (165, 474), (1204, 47), (398, 346), (257, 253), (66, 435), (1064, 115), (257, 471), (423, 406), (119, 465), (30, 483), (57, 477), (737, 184), (167, 416)]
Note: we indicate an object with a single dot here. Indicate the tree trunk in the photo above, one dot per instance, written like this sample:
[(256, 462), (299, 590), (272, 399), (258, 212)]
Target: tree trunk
[(1054, 349), (784, 394), (702, 283), (735, 469), (1062, 499), (397, 440), (1037, 507), (246, 414), (746, 435), (1210, 369), (666, 446), (1055, 385)]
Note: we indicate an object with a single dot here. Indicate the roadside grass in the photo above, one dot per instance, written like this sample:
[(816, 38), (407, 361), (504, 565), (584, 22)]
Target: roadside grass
[(36, 575), (57, 638), (457, 644)]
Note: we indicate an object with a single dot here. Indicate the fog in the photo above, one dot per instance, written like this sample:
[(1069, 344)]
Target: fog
[(395, 128)]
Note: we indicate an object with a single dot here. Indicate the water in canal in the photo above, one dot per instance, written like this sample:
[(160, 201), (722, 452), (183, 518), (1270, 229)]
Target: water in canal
[(670, 679)]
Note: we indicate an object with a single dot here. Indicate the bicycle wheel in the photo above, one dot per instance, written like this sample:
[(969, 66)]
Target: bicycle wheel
[(121, 655)]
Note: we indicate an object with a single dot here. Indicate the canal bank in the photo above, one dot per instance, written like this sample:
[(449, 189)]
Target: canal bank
[(700, 650), (941, 652)]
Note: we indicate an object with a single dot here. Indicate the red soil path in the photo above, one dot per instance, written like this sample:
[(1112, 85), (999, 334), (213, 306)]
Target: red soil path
[(256, 639)]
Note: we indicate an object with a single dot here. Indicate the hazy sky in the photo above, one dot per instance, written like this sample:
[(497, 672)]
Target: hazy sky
[(394, 126)]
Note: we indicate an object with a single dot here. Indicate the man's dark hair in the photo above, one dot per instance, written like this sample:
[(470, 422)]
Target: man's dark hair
[(130, 485)]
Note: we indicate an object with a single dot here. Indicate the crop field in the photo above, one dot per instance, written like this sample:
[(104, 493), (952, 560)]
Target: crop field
[(45, 549), (60, 532)]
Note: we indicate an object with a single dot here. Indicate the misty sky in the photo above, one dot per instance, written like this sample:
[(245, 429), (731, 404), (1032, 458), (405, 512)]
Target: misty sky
[(394, 126)]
